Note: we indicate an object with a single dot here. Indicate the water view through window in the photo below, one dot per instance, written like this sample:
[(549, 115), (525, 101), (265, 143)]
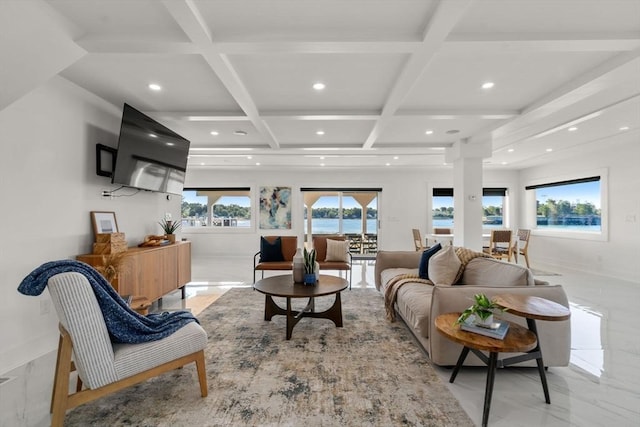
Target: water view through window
[(569, 206), (216, 208)]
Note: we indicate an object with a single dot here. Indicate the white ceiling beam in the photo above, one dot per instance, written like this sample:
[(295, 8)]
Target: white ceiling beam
[(301, 115), (383, 47), (519, 43), (458, 43), (442, 22), (189, 19)]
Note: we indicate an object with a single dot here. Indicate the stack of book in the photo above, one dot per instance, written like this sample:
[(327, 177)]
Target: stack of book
[(496, 330)]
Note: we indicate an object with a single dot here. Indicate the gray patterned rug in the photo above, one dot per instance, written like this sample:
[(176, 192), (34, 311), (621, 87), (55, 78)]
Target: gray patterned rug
[(369, 372)]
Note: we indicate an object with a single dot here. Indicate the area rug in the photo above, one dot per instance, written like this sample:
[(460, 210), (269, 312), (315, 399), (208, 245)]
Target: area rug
[(367, 373)]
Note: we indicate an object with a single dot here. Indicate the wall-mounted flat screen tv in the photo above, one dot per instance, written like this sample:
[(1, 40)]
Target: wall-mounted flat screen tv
[(150, 156)]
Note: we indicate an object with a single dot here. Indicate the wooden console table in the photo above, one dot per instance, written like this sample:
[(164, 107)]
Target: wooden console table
[(150, 272)]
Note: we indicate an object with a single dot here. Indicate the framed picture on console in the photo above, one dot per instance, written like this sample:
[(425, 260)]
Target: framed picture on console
[(104, 222)]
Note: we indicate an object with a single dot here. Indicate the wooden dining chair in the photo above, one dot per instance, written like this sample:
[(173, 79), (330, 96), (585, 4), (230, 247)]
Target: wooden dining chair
[(521, 245), (417, 240), (500, 246)]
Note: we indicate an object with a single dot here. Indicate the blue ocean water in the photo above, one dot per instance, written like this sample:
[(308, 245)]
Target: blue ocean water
[(349, 226)]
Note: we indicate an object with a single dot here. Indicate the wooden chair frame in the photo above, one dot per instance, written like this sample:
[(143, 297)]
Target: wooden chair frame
[(523, 235), (61, 400), (495, 250), (417, 240)]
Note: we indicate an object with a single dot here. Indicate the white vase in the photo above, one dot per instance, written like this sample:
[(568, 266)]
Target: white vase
[(484, 322), (298, 266)]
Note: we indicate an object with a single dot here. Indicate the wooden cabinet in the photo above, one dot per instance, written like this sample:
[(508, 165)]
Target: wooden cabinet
[(150, 272)]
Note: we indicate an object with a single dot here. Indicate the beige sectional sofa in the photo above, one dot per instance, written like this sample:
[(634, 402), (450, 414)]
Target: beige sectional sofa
[(418, 303)]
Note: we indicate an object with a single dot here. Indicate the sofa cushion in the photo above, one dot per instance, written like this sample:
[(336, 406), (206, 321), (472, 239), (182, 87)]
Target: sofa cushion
[(337, 250), (271, 251), (423, 268), (414, 305), (493, 272), (444, 267)]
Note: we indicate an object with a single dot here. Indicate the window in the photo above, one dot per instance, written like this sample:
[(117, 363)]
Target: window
[(493, 202), (216, 207), (442, 208), (353, 213), (572, 205)]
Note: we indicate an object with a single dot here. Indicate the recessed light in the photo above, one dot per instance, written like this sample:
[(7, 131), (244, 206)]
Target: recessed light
[(321, 164), (215, 133), (487, 85), (319, 86), (170, 144), (510, 150), (387, 164), (321, 157), (154, 86), (429, 132), (320, 132), (453, 131), (249, 157), (395, 157), (503, 163), (572, 129), (548, 150), (153, 135), (258, 164), (623, 128), (239, 132)]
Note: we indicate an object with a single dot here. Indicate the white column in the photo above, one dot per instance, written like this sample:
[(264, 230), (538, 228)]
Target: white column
[(467, 191)]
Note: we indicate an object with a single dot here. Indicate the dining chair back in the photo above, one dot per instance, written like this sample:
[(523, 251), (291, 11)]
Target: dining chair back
[(521, 245), (500, 246), (417, 239)]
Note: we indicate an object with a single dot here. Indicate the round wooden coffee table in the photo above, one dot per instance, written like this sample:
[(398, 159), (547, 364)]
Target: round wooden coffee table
[(283, 286)]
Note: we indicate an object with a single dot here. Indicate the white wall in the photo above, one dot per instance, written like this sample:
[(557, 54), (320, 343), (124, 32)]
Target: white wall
[(405, 202), (617, 255), (49, 186)]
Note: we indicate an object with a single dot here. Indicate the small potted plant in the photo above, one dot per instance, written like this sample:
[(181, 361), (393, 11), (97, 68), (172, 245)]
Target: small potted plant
[(482, 310), (310, 267), (169, 227)]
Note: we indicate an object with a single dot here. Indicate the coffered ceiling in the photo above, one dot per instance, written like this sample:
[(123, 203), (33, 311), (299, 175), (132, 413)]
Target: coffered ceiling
[(403, 78)]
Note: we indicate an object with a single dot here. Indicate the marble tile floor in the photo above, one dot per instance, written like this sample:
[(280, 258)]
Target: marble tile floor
[(600, 387)]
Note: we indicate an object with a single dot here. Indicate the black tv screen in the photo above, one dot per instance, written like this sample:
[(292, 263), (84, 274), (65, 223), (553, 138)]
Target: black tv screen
[(150, 156)]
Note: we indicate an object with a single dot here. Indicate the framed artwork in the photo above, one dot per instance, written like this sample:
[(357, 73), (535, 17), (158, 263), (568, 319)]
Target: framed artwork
[(104, 222), (275, 208)]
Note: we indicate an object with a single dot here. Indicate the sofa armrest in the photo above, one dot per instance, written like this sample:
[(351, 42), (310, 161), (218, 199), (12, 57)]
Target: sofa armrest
[(555, 337), (395, 259)]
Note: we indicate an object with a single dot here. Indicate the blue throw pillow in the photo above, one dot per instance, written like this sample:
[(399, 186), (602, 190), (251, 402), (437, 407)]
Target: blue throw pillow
[(423, 268), (270, 252)]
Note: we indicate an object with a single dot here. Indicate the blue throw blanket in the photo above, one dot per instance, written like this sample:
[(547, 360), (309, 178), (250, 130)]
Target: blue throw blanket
[(124, 324)]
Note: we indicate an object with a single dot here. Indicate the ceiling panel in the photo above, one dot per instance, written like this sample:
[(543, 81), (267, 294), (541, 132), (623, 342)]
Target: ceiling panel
[(121, 19), (188, 83), (558, 17), (304, 132), (455, 81), (306, 20), (413, 129), (353, 82)]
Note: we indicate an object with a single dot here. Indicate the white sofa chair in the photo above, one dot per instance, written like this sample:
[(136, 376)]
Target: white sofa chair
[(104, 367)]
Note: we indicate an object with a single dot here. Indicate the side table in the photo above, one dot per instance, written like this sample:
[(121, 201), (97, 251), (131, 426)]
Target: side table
[(532, 308), (518, 339)]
